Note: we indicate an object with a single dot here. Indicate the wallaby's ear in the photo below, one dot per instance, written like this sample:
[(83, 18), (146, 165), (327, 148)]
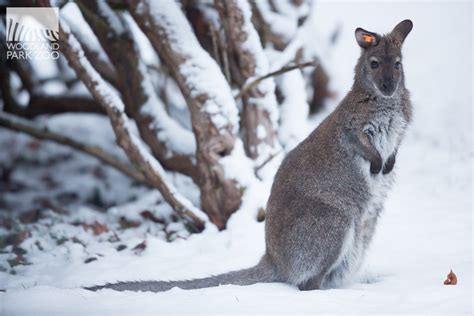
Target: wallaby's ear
[(400, 32), (365, 39)]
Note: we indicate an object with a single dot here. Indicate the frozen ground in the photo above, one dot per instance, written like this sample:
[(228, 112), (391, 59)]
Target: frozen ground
[(425, 231)]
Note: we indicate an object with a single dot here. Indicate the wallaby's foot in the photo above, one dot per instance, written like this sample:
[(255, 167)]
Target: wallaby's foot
[(312, 284), (376, 166)]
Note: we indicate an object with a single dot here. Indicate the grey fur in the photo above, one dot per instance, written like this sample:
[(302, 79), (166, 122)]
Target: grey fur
[(262, 272), (329, 191)]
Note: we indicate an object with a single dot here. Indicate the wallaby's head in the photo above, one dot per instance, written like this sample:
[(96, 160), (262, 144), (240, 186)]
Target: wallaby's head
[(380, 64)]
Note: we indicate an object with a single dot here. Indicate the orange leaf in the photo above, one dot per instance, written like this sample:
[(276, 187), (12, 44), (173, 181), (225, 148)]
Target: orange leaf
[(97, 228), (452, 279)]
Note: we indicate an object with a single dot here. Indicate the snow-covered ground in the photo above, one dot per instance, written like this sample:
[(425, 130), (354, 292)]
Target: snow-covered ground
[(425, 231)]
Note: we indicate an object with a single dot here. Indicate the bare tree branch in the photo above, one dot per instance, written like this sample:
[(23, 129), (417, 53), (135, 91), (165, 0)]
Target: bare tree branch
[(42, 132), (50, 104), (278, 72), (130, 143)]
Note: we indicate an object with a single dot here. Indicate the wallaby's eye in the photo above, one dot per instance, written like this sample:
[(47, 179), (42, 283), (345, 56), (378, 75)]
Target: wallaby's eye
[(397, 65), (374, 64)]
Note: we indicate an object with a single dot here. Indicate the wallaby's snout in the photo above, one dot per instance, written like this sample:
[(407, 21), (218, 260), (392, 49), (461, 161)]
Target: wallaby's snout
[(380, 65), (388, 87)]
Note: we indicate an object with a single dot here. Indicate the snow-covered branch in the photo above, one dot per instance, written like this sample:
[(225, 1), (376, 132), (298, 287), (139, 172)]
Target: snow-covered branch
[(250, 85), (173, 145), (279, 20), (42, 132), (213, 110), (259, 118), (130, 143), (89, 42)]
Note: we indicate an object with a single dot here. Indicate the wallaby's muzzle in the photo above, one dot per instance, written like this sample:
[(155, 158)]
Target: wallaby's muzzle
[(387, 87)]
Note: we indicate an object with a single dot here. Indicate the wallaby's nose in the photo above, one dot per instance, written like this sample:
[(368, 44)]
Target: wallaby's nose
[(387, 87)]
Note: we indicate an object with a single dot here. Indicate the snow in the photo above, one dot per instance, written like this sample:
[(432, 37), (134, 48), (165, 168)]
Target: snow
[(21, 96), (146, 50), (294, 109), (425, 230), (261, 132), (238, 166), (291, 10)]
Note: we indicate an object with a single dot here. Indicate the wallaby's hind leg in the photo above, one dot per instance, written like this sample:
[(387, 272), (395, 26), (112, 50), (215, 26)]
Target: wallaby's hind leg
[(334, 269), (308, 242), (337, 275)]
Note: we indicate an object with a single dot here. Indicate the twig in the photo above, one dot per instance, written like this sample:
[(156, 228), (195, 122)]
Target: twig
[(225, 61), (250, 85), (42, 132), (264, 163), (215, 49)]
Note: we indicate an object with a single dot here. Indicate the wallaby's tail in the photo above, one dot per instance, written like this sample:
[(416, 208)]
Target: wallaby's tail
[(263, 272)]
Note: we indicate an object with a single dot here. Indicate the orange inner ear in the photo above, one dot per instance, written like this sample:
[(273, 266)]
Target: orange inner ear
[(368, 38)]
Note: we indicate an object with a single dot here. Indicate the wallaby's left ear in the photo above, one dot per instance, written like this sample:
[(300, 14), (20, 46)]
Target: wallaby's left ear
[(400, 32), (365, 39)]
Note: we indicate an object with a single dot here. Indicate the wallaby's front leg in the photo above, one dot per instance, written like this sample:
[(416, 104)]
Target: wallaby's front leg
[(388, 167), (361, 140)]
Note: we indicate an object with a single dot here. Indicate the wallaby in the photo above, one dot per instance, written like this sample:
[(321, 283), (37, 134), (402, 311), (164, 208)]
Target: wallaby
[(329, 190)]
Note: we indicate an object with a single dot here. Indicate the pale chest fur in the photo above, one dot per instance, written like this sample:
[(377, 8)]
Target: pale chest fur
[(387, 127)]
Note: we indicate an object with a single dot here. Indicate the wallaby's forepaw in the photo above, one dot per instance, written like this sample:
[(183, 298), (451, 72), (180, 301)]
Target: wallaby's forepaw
[(388, 167), (376, 164), (375, 167)]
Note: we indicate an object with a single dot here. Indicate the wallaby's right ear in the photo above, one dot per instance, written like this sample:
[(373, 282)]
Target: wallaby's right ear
[(401, 31), (365, 39)]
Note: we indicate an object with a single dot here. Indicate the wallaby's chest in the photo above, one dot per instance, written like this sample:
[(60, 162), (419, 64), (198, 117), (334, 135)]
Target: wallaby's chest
[(386, 126)]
